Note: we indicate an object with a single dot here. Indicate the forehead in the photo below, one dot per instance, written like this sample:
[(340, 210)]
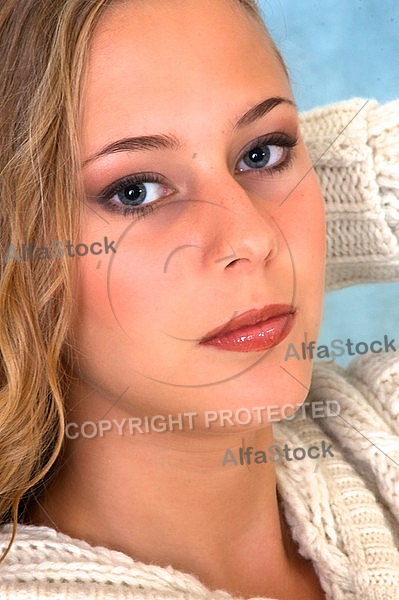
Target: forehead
[(162, 58)]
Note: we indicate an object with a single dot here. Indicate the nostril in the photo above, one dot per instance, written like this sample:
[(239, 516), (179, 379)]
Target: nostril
[(234, 261)]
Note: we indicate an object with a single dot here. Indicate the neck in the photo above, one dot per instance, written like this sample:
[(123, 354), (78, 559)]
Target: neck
[(166, 498)]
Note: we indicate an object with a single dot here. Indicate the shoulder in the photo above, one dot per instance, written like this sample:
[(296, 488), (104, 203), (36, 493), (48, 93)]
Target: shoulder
[(366, 396), (367, 390), (45, 564), (357, 410), (343, 508)]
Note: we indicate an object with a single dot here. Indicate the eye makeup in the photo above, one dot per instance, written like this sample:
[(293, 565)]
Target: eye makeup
[(128, 196)]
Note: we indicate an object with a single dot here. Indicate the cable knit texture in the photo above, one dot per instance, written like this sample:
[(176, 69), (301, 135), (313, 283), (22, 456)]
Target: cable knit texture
[(355, 148), (343, 511)]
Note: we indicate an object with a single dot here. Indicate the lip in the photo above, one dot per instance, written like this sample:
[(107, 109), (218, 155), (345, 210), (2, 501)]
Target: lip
[(253, 330)]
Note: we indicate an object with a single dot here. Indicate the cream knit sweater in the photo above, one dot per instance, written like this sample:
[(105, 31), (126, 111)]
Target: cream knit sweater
[(343, 510)]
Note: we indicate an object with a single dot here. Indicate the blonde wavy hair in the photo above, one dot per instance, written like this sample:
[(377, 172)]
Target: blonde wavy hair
[(43, 44)]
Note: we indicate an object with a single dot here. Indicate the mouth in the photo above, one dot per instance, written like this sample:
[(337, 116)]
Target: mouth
[(254, 330)]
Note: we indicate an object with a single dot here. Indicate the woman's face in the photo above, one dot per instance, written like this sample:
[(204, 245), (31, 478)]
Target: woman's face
[(193, 172)]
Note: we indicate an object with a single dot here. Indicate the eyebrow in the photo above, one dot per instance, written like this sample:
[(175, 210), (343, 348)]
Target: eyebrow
[(170, 142), (136, 144), (261, 109)]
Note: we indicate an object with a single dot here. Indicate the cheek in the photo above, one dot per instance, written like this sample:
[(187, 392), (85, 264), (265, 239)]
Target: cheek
[(122, 308), (315, 229), (91, 305), (305, 228), (312, 268), (302, 219)]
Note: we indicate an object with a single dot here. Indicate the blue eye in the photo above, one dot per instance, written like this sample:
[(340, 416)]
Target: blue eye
[(139, 193), (135, 195), (273, 152), (263, 155)]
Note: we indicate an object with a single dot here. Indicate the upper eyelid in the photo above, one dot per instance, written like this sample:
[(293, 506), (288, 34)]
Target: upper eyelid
[(274, 138), (277, 138), (131, 179)]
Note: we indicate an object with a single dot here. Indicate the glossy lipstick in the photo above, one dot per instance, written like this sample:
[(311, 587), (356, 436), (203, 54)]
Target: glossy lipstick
[(253, 331)]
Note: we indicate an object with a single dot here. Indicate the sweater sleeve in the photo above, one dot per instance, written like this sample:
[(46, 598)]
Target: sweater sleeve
[(355, 148)]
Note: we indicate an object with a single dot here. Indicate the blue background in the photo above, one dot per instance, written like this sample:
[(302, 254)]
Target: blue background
[(335, 50)]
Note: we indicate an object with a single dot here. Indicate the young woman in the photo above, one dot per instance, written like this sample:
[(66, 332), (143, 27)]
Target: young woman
[(163, 247)]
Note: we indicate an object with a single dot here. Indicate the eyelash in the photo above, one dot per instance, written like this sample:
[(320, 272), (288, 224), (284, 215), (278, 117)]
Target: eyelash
[(104, 197), (279, 139), (282, 140)]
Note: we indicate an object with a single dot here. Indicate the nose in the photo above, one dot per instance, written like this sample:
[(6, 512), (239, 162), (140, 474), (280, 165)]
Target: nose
[(239, 231)]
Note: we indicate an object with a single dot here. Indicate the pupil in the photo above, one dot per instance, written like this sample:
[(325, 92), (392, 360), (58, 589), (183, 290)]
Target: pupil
[(258, 157), (135, 194)]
